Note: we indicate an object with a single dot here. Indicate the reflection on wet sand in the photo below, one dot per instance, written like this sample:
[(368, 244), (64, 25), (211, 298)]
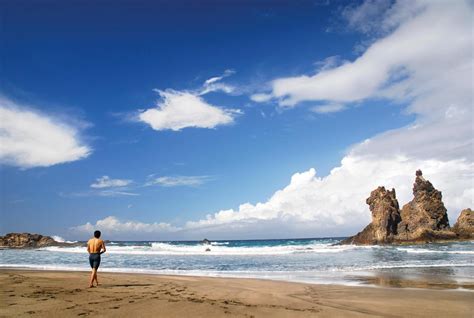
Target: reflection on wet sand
[(432, 278)]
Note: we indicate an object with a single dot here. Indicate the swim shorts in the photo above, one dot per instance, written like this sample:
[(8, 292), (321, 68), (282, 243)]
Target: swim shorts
[(94, 260)]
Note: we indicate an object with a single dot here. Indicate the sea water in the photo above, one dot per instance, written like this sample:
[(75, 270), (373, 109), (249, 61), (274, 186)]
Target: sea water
[(316, 260)]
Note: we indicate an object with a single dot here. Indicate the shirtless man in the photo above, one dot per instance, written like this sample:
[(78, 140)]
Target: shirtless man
[(95, 247)]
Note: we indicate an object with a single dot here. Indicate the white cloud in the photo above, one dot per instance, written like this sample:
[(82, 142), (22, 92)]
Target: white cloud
[(30, 139), (107, 182), (113, 226), (180, 109), (260, 98), (420, 50), (101, 193), (114, 193), (177, 181), (328, 108)]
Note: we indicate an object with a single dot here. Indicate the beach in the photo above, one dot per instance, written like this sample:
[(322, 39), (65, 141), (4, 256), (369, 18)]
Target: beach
[(65, 294)]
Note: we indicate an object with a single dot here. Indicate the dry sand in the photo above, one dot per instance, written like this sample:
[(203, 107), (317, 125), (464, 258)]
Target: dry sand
[(64, 294)]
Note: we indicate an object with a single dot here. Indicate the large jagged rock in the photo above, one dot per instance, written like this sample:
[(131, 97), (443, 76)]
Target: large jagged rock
[(27, 240), (425, 216), (385, 218), (423, 219), (464, 226)]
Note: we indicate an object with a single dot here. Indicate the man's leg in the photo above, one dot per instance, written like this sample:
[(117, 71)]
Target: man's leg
[(93, 277)]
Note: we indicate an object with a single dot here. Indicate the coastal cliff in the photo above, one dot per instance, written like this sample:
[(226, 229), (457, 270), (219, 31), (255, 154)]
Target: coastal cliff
[(422, 220), (28, 240)]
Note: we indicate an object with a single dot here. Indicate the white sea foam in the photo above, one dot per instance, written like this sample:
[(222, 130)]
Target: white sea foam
[(426, 251), (159, 248), (59, 239)]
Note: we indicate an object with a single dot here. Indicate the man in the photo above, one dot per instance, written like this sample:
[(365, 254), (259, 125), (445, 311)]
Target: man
[(95, 247)]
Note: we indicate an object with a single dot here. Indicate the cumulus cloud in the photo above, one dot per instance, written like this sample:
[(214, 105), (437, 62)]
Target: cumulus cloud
[(178, 181), (30, 139), (177, 110), (426, 67), (181, 109), (107, 182)]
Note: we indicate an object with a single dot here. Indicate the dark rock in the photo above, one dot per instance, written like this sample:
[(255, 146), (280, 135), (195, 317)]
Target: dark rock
[(206, 242), (208, 249), (385, 218), (426, 212), (464, 226), (25, 240), (28, 240)]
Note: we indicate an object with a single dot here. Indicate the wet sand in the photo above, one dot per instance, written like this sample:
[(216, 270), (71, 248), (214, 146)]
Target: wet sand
[(65, 294)]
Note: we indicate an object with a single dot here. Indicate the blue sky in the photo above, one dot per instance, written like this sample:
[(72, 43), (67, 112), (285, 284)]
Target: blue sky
[(110, 107)]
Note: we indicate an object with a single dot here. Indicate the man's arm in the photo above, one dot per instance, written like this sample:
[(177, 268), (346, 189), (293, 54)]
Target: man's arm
[(88, 248), (103, 248)]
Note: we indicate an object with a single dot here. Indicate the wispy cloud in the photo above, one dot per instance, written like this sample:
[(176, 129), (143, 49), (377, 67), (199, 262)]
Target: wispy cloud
[(328, 108), (107, 182), (101, 193), (178, 181), (29, 138), (214, 84)]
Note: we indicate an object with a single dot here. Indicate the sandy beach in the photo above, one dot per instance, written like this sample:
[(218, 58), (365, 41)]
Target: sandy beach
[(54, 294)]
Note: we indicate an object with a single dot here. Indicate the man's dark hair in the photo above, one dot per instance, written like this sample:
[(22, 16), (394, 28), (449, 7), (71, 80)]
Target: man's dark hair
[(97, 234)]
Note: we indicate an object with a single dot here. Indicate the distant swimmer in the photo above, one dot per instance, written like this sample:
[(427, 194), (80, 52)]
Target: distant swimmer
[(95, 247)]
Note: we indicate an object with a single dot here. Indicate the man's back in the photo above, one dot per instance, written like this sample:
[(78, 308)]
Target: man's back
[(94, 245)]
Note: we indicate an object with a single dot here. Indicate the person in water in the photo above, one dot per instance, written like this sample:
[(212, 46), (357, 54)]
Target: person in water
[(95, 247)]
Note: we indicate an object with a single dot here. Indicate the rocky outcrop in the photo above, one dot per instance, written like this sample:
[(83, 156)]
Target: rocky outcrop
[(423, 219), (385, 218), (425, 213), (206, 242), (23, 240), (28, 240), (464, 226)]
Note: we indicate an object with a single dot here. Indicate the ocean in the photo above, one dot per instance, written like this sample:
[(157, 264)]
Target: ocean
[(315, 260)]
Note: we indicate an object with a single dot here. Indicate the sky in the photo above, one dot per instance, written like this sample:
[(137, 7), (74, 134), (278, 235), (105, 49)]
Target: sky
[(178, 120)]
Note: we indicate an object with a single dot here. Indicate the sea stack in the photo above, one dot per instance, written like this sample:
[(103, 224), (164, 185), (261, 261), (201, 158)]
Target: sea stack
[(385, 218), (425, 215), (423, 219)]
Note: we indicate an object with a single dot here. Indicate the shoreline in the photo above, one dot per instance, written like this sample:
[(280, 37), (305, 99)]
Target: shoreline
[(365, 279), (48, 293)]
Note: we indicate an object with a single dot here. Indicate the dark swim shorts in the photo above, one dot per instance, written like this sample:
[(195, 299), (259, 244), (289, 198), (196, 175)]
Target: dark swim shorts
[(94, 260)]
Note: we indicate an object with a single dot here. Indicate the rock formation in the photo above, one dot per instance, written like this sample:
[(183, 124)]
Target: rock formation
[(206, 242), (23, 240), (28, 240), (423, 219), (425, 213), (464, 226), (385, 218)]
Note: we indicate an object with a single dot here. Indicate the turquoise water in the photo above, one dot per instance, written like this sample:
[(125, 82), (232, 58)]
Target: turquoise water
[(315, 260)]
